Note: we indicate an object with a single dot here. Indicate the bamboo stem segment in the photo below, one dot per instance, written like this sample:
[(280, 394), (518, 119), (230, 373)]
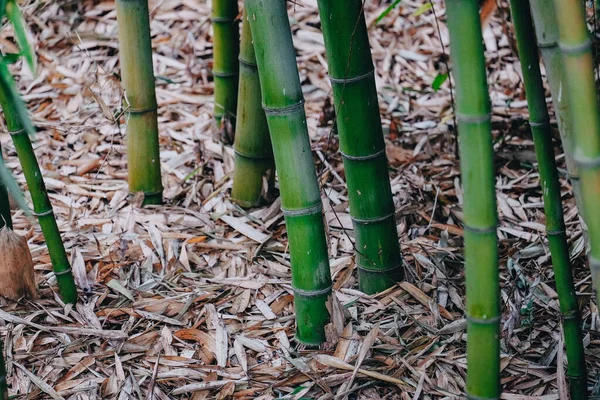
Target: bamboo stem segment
[(226, 48), (480, 216), (5, 218), (555, 226), (362, 146), (135, 55), (583, 105), (300, 196), (41, 203), (253, 150)]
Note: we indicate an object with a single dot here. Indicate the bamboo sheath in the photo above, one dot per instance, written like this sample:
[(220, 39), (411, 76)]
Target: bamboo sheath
[(41, 203), (581, 95), (362, 145), (300, 196), (5, 218), (253, 150), (135, 55), (555, 226), (226, 48), (480, 216), (546, 30)]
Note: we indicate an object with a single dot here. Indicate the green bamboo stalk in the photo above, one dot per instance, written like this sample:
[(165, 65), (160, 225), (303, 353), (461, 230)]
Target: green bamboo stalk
[(581, 96), (3, 377), (135, 54), (41, 202), (5, 218), (555, 226), (226, 49), (300, 196), (546, 30), (253, 150), (362, 146), (473, 110)]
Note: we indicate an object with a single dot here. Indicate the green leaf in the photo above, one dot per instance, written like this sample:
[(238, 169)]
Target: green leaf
[(11, 58), (7, 83), (421, 10), (13, 13), (2, 10), (8, 180), (387, 11), (439, 81)]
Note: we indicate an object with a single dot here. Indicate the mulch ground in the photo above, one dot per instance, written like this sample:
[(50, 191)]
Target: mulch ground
[(192, 300)]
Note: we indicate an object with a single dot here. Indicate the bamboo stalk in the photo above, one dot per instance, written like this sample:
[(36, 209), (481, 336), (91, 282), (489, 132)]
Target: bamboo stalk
[(135, 55), (480, 216), (544, 18), (5, 218), (583, 105), (362, 146), (300, 196), (3, 374), (41, 203), (253, 150), (226, 49), (555, 226)]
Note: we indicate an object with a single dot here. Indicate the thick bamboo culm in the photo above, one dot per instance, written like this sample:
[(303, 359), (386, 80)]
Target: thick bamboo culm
[(555, 226), (41, 202), (581, 95), (5, 218), (253, 150), (480, 217), (352, 77), (300, 195), (547, 39), (226, 48), (135, 55)]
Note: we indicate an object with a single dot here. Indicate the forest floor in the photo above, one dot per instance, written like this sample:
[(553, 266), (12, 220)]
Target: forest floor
[(192, 300)]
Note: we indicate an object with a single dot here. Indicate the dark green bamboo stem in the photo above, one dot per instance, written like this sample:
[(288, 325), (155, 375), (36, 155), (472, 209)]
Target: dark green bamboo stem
[(555, 226), (226, 49), (362, 146), (41, 203), (5, 218), (581, 96), (253, 151), (547, 38), (480, 216), (135, 55), (300, 196), (3, 377)]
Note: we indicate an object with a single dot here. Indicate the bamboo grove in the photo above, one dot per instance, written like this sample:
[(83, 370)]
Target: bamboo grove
[(259, 108)]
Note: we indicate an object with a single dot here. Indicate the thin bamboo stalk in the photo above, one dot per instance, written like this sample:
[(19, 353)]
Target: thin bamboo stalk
[(226, 49), (3, 377), (583, 107), (362, 146), (41, 203), (480, 216), (555, 226), (546, 30), (135, 55), (5, 218), (300, 195), (253, 150)]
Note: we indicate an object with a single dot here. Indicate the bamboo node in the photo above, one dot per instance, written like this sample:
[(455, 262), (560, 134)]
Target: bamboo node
[(576, 49), (315, 209), (587, 162), (312, 293), (63, 272), (481, 321), (547, 45), (219, 74), (222, 20), (252, 157), (491, 229), (17, 132), (472, 397), (363, 158), (555, 232), (284, 110), (539, 124), (368, 221), (569, 315), (352, 79), (139, 111), (474, 119), (379, 271), (247, 63), (43, 213)]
